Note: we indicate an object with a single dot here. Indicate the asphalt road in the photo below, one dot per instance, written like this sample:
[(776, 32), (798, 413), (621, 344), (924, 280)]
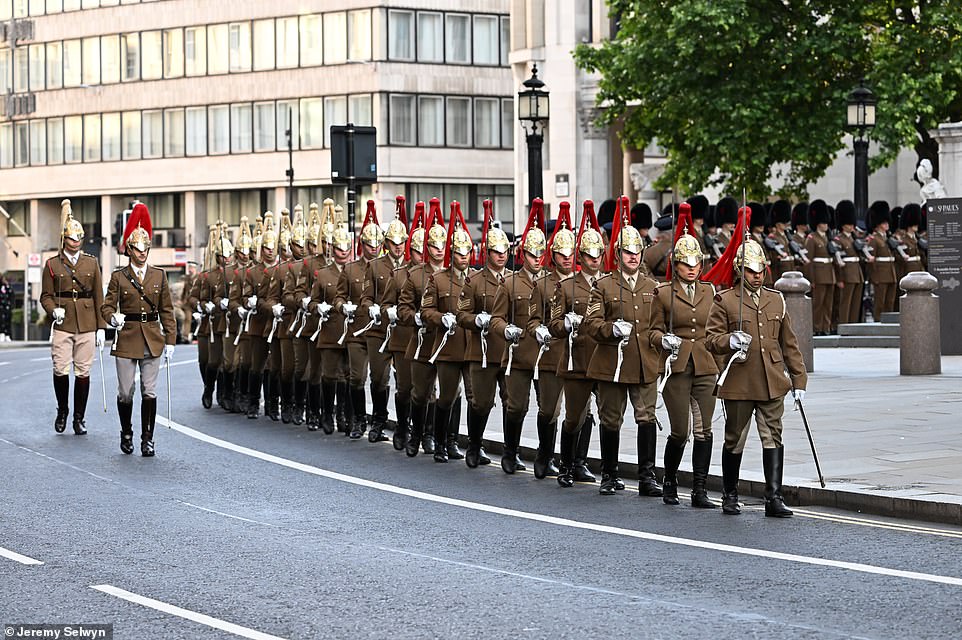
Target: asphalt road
[(291, 534)]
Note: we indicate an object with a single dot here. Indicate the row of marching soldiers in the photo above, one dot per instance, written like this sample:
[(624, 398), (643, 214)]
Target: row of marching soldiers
[(579, 318)]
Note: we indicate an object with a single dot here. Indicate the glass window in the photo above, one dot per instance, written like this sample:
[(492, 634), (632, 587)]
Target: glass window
[(507, 123), (152, 125), (110, 59), (431, 120), (92, 138), (54, 65), (312, 123), (36, 7), (218, 55), (54, 6), (71, 63), (110, 136), (173, 133), (287, 42), (264, 126), (109, 3), (311, 51), (89, 4), (130, 52), (173, 53), (21, 70), (359, 34), (335, 38), (6, 145), (152, 55), (360, 110), (37, 66), (6, 10), (218, 129), (91, 61), (287, 113), (38, 142), (195, 51), (21, 157), (457, 47), (240, 46), (55, 141), (402, 120), (487, 122), (400, 37), (71, 5), (486, 47), (335, 113), (196, 125), (459, 122), (131, 135), (505, 40), (19, 8), (73, 139), (240, 128), (264, 45), (6, 70), (430, 37)]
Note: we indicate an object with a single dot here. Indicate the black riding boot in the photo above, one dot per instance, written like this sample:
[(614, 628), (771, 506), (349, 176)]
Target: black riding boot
[(300, 398), (326, 395), (731, 465), (773, 461), (427, 438), (700, 461), (579, 469), (413, 443), (126, 411), (610, 440), (359, 424), (343, 411), (81, 391), (674, 450), (513, 424), (228, 401), (568, 442), (61, 387), (477, 420), (148, 412), (210, 378), (546, 436), (272, 396), (313, 409), (454, 428), (379, 415), (254, 395), (441, 419), (220, 395), (403, 407), (287, 402), (647, 439)]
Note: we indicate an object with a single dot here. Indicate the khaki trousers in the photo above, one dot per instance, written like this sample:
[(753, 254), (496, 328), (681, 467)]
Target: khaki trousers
[(450, 377), (577, 397), (334, 366), (303, 351), (424, 377), (519, 391), (849, 302), (357, 361), (380, 364), (286, 350), (768, 420), (884, 299), (402, 375), (550, 390), (682, 390), (484, 382), (72, 348), (643, 399), (822, 307), (126, 373), (613, 400)]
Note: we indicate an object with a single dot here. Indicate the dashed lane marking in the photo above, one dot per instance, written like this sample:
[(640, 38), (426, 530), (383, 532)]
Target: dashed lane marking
[(17, 557)]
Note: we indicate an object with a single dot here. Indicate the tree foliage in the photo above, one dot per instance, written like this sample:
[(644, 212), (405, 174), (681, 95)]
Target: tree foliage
[(737, 91)]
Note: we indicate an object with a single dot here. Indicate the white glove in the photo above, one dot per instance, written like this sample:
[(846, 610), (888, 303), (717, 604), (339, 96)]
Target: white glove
[(242, 312), (621, 329), (348, 309), (417, 319), (117, 320), (278, 310), (197, 315), (374, 312), (483, 320), (799, 394), (223, 304), (59, 314), (670, 342), (542, 334), (449, 321), (392, 314), (512, 333), (168, 352), (572, 321), (99, 338), (324, 309), (305, 302), (252, 302), (209, 307), (740, 341)]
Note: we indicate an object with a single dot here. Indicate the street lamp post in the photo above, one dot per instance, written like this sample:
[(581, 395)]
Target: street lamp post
[(533, 114), (861, 118)]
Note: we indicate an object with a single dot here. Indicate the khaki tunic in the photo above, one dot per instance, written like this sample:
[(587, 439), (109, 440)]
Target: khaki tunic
[(350, 287), (377, 279), (513, 300), (402, 333), (310, 267), (325, 287), (136, 339), (215, 291), (655, 259), (690, 322), (81, 299), (481, 293), (882, 270), (440, 297), (409, 304), (583, 345), (539, 313)]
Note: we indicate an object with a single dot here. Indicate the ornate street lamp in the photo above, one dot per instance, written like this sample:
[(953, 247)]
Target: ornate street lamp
[(533, 114), (861, 119)]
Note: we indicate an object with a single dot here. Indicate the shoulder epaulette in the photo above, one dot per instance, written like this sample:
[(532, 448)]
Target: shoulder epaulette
[(661, 285)]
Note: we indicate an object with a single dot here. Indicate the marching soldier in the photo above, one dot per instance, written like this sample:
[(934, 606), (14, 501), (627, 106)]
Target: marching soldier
[(760, 349), (848, 273), (194, 311), (679, 316), (307, 367), (882, 269), (257, 309), (72, 294), (908, 257), (213, 290), (276, 338), (293, 349), (235, 359), (139, 306), (820, 271), (799, 235), (779, 253)]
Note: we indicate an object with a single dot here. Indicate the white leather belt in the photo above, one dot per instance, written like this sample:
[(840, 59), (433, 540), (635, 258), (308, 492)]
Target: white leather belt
[(850, 259), (822, 260), (913, 259), (885, 259), (788, 259)]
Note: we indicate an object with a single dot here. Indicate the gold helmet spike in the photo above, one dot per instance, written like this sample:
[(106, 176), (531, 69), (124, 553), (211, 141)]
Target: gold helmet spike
[(222, 245), (497, 240), (298, 230), (592, 243), (341, 238), (269, 233), (629, 240), (461, 242), (286, 231), (312, 231), (564, 242), (687, 251), (437, 237), (417, 240), (754, 257), (69, 227), (534, 242), (244, 242), (396, 232)]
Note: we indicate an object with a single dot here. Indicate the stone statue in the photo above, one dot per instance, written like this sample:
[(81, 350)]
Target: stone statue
[(931, 188), (642, 175)]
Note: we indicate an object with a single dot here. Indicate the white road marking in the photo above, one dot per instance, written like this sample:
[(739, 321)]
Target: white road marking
[(226, 515), (24, 375), (563, 522), (187, 614), (3, 364), (40, 359), (16, 557), (177, 364)]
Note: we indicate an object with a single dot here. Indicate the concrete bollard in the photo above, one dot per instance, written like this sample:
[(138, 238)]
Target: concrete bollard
[(920, 339), (794, 286)]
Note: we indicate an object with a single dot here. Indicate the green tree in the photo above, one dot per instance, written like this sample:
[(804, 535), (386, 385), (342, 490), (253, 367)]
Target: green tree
[(737, 91)]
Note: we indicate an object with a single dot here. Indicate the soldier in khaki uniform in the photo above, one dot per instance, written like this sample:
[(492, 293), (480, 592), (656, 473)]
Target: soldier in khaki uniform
[(478, 305), (569, 306), (307, 368), (292, 238), (194, 311), (778, 245), (235, 359), (139, 306), (275, 332), (292, 373), (759, 351), (679, 316), (380, 272), (72, 293), (908, 258), (848, 274), (820, 271), (257, 311), (214, 289), (617, 319), (882, 269)]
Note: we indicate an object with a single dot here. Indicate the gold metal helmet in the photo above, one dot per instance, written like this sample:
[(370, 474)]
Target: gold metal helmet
[(244, 242), (534, 242), (69, 227), (497, 240), (687, 251), (461, 242), (268, 237), (564, 242), (437, 236), (312, 231), (629, 240), (284, 235), (592, 243), (754, 257), (298, 230), (222, 245), (372, 235), (341, 238), (139, 239), (396, 232), (417, 240)]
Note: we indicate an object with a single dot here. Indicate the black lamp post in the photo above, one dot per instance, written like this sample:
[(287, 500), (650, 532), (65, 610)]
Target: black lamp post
[(533, 114), (861, 118)]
